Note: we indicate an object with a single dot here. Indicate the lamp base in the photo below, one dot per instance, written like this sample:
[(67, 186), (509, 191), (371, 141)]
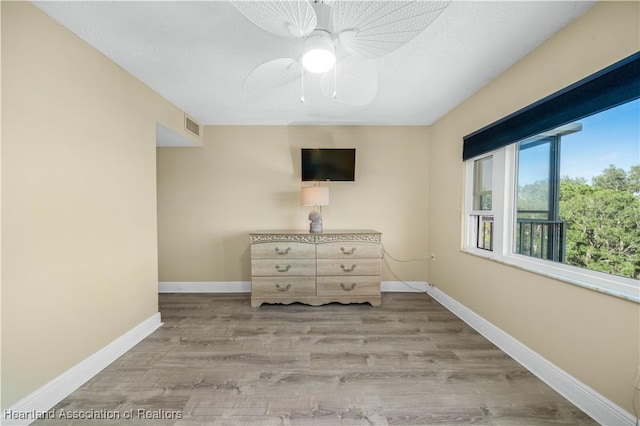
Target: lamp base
[(315, 228), (316, 222)]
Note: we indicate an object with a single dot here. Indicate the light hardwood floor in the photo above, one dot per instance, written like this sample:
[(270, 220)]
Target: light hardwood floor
[(216, 360)]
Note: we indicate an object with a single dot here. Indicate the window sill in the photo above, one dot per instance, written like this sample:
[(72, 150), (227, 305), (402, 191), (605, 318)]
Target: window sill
[(623, 288)]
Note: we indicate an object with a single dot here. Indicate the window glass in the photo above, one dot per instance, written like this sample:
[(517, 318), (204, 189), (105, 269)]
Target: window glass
[(482, 183), (539, 231), (485, 232), (578, 193), (533, 179), (600, 192)]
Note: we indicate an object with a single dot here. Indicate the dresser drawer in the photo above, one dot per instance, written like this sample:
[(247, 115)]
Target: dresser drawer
[(282, 250), (348, 286), (349, 250), (283, 267), (348, 267), (283, 287)]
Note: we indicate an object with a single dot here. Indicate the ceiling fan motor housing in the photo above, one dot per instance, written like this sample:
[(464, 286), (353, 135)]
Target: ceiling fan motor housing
[(323, 15)]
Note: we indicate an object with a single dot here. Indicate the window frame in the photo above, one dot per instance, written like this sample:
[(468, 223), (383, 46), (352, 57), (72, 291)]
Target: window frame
[(504, 198)]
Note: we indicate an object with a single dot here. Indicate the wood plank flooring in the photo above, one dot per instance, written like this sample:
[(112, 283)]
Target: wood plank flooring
[(217, 361)]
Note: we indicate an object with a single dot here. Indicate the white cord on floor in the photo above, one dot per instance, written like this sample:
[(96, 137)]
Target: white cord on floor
[(386, 254)]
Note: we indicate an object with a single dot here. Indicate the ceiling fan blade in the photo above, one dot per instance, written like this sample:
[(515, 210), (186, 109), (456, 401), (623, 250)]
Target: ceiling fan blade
[(272, 75), (285, 18), (355, 81), (372, 29)]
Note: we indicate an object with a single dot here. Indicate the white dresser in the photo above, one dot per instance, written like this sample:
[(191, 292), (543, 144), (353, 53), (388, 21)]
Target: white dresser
[(297, 266)]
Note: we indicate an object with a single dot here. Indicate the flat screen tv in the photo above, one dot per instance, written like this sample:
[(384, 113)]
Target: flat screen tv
[(334, 164)]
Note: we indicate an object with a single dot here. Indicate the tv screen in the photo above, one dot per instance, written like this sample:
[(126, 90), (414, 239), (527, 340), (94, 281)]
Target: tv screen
[(335, 164)]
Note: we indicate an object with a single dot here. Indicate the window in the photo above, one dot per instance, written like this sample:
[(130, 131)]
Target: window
[(563, 202)]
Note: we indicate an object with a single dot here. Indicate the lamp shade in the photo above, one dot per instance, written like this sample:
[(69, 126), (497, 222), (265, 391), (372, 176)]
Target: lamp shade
[(315, 196)]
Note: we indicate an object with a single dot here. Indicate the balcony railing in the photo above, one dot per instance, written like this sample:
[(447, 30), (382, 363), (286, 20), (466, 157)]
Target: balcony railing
[(544, 239)]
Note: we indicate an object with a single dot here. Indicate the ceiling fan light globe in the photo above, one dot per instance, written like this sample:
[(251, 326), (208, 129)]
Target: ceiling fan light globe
[(319, 53), (318, 60)]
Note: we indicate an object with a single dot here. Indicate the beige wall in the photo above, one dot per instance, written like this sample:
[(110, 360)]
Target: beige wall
[(248, 178), (79, 237), (592, 336)]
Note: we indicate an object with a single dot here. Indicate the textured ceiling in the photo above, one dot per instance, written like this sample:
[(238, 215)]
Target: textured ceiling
[(198, 54)]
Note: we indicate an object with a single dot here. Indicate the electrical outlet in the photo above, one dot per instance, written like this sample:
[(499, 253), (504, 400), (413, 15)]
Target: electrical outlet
[(432, 256)]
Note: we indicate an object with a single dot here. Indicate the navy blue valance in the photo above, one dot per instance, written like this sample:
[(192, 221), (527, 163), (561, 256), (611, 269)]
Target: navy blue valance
[(610, 87)]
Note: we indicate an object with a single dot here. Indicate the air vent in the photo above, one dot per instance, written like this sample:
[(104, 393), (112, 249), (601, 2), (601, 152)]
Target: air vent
[(191, 126)]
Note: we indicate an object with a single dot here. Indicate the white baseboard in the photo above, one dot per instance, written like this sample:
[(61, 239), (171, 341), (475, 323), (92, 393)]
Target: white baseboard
[(588, 400), (45, 398), (245, 286)]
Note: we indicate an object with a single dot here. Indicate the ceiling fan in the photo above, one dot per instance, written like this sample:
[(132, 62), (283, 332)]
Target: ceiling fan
[(339, 41)]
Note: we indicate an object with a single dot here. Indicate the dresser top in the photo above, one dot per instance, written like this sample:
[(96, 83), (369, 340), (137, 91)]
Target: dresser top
[(365, 235), (329, 232)]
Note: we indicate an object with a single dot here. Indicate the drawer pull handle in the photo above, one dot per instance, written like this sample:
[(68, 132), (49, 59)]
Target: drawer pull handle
[(345, 269), (281, 269), (344, 251), (281, 287), (348, 288), (283, 252)]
